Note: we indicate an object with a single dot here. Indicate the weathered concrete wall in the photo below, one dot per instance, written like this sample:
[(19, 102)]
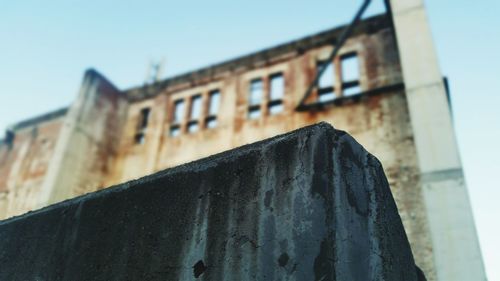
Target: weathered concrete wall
[(24, 160), (309, 205)]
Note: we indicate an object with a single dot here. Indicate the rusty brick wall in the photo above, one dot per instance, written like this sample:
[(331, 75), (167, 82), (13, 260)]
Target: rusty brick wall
[(80, 141), (23, 165), (379, 121)]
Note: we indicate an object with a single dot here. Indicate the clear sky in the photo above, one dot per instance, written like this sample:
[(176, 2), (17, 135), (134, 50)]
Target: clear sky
[(45, 46)]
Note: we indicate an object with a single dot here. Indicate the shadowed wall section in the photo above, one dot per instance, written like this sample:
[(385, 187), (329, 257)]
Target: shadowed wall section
[(24, 161), (308, 205)]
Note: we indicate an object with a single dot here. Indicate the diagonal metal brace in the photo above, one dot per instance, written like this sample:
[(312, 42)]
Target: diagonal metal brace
[(338, 44)]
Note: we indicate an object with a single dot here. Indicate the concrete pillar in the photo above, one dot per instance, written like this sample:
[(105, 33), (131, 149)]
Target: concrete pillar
[(455, 244), (87, 143)]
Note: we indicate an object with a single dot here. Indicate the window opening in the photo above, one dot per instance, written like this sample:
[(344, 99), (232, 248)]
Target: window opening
[(178, 112), (255, 98), (277, 92), (140, 135), (326, 90), (213, 109), (350, 75), (194, 114)]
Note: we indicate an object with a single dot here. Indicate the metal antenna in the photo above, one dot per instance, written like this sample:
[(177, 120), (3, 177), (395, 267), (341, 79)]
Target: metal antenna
[(154, 71)]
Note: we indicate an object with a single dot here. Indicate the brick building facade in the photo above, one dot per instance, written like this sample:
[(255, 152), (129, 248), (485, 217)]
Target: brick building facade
[(109, 136)]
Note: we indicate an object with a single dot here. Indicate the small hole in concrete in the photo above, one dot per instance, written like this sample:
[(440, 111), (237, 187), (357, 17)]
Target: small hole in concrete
[(283, 259), (199, 268)]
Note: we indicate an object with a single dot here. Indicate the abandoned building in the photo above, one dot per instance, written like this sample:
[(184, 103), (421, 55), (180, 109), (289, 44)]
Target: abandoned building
[(384, 87)]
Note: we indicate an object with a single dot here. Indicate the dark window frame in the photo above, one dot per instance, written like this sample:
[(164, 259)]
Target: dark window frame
[(274, 102), (328, 90), (350, 84), (142, 124), (173, 119), (267, 102), (212, 116), (175, 128), (194, 120), (255, 106), (251, 90)]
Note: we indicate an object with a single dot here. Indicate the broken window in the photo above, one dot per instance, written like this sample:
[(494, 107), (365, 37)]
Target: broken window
[(350, 75), (326, 81), (214, 101), (195, 111), (178, 112), (277, 91), (277, 86), (177, 117), (139, 137), (194, 114), (143, 123), (256, 91), (255, 98), (213, 109)]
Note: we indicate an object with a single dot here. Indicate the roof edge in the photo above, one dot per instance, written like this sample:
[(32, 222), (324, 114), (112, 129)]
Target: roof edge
[(38, 119), (368, 25)]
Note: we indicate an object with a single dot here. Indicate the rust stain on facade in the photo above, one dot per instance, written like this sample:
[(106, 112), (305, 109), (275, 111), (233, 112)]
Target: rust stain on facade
[(109, 142)]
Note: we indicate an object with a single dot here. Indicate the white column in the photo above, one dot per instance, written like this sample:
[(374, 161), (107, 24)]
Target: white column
[(455, 245)]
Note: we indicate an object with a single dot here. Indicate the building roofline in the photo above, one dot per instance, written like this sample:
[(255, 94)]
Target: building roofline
[(249, 61), (252, 60), (38, 119), (26, 123)]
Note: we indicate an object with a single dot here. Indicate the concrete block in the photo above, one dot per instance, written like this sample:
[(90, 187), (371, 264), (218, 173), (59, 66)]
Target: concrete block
[(308, 205)]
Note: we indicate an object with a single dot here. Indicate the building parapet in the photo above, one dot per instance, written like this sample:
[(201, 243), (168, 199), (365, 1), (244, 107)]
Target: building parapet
[(38, 119), (257, 59)]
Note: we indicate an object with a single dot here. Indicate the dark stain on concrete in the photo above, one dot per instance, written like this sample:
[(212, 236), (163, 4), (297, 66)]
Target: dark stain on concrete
[(283, 259), (268, 198), (199, 268)]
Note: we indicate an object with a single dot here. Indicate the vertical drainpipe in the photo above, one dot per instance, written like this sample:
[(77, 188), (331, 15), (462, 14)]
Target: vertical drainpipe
[(457, 254)]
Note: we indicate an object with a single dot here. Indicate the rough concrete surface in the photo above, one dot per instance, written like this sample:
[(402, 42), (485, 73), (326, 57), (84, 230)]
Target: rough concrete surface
[(308, 205)]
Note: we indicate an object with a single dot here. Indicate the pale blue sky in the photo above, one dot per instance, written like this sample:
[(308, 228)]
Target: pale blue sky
[(45, 46)]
